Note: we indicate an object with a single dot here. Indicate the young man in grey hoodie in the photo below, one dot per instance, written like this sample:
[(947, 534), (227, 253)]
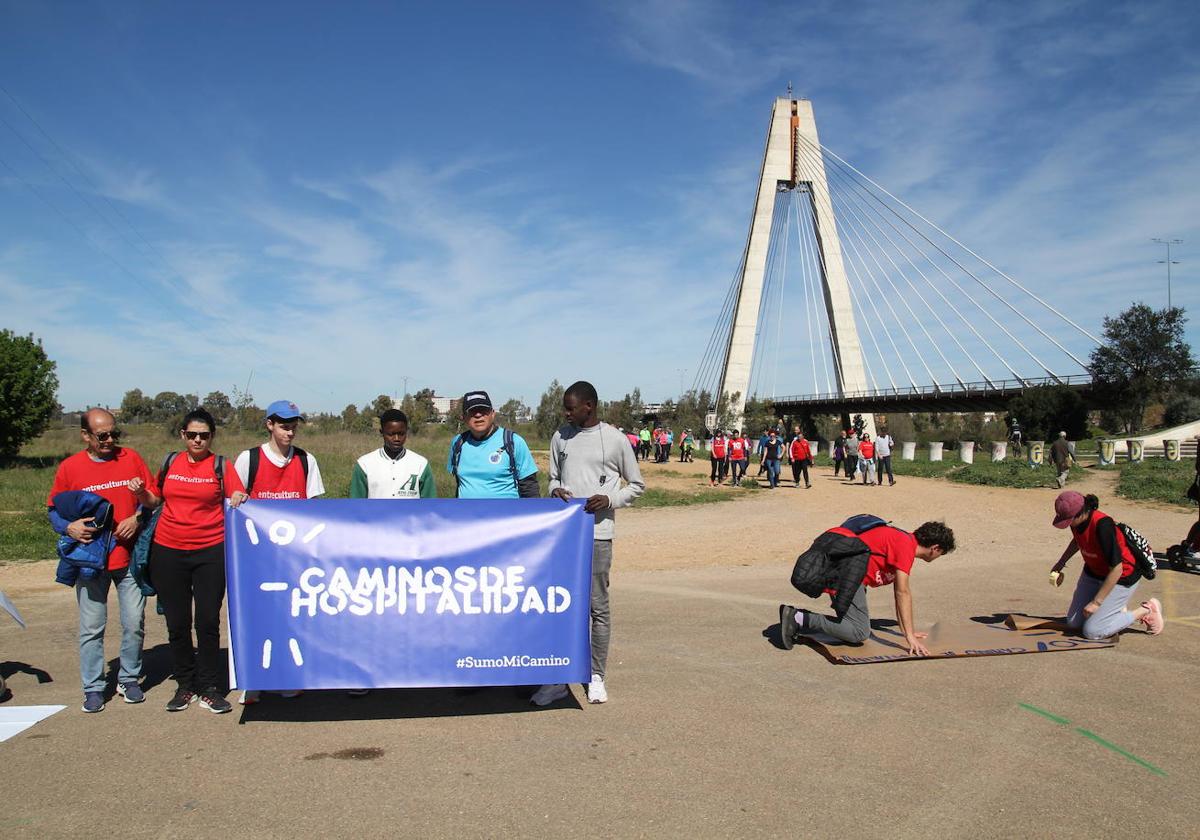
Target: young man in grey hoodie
[(589, 459)]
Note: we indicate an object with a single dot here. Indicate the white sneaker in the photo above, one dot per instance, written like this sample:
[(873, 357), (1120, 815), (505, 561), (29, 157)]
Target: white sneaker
[(596, 691), (248, 698), (547, 694)]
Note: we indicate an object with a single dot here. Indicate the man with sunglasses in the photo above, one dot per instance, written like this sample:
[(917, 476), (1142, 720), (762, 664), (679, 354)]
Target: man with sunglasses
[(119, 475)]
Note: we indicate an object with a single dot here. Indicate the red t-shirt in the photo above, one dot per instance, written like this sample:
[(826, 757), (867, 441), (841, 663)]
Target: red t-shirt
[(107, 479), (737, 449), (892, 550), (194, 512), (718, 448), (286, 482), (866, 450)]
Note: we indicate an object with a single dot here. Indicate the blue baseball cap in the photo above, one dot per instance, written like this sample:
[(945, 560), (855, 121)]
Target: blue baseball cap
[(284, 410)]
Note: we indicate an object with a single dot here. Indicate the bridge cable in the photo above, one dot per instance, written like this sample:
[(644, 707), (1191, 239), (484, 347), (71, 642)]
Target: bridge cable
[(852, 202), (787, 243), (718, 337), (950, 304), (897, 319), (863, 224), (965, 248), (879, 318), (989, 315), (834, 349), (772, 258), (856, 301), (819, 299), (809, 305), (975, 277)]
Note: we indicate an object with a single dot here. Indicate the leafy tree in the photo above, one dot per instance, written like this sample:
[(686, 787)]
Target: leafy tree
[(512, 412), (1048, 409), (1144, 355), (219, 406), (420, 410), (1181, 408), (28, 389), (757, 416), (350, 417), (381, 404), (550, 413), (136, 407)]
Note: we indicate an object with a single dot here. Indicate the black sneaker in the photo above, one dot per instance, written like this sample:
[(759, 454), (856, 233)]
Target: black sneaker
[(182, 699), (212, 700), (787, 626)]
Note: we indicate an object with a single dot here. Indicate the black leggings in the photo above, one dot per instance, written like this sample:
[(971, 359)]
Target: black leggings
[(719, 468), (184, 577), (798, 468)]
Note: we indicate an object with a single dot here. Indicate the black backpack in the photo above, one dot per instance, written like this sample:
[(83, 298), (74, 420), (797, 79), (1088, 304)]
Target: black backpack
[(256, 458), (508, 446), (1143, 555)]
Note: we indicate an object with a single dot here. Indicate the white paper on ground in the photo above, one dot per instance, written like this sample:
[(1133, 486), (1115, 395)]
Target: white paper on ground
[(10, 608), (16, 719)]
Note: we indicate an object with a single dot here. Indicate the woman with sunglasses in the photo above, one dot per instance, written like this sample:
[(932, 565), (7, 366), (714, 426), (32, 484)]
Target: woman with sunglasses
[(187, 559)]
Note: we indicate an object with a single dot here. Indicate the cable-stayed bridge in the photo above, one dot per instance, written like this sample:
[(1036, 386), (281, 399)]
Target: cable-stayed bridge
[(849, 292)]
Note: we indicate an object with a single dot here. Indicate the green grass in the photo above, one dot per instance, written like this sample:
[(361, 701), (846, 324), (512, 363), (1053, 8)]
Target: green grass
[(656, 497), (1157, 480), (1009, 473)]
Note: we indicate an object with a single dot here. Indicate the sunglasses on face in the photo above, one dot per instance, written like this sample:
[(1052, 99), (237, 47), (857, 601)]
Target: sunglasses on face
[(197, 435), (104, 437)]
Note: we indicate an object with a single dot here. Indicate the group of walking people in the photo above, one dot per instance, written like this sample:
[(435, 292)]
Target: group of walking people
[(163, 533), (862, 458)]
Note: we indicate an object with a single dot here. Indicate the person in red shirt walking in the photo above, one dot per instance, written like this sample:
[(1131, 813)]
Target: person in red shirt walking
[(866, 459), (800, 454), (1110, 575), (719, 455), (187, 559), (739, 458), (893, 553), (119, 475)]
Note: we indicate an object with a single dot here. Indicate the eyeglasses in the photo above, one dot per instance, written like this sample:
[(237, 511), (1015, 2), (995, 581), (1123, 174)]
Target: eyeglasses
[(104, 437), (479, 412), (197, 435)]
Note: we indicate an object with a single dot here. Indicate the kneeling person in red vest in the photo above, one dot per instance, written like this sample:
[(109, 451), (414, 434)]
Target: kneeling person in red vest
[(844, 561)]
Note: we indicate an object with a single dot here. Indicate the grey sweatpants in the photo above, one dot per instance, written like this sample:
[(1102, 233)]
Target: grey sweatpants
[(854, 626), (601, 566), (1110, 618)]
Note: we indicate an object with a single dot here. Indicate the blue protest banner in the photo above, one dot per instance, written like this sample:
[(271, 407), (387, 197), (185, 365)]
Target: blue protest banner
[(375, 593)]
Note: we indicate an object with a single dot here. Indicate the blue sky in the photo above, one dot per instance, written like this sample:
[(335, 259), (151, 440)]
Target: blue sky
[(495, 195)]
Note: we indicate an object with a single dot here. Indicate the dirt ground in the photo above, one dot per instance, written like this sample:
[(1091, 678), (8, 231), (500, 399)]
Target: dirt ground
[(711, 731)]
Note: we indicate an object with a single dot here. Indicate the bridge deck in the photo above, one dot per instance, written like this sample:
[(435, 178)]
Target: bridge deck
[(967, 396)]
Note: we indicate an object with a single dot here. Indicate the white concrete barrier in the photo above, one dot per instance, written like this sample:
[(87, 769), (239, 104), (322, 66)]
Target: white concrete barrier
[(1035, 453), (1106, 452), (999, 450), (908, 450), (1171, 449), (966, 451), (935, 451), (1136, 450)]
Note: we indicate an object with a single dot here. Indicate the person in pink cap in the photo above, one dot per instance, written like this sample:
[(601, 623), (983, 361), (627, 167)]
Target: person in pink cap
[(1110, 574)]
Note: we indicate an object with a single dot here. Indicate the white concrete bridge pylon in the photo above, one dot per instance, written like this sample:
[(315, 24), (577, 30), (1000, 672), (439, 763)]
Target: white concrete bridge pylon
[(784, 166)]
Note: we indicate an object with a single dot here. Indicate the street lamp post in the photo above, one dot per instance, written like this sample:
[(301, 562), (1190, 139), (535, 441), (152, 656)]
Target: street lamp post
[(1169, 262)]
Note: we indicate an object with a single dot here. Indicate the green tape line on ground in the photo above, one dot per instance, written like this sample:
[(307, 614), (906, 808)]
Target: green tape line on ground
[(1044, 713), (1087, 734)]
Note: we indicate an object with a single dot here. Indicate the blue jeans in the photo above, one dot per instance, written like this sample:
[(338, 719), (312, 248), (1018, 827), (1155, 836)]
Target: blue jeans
[(92, 596), (772, 472)]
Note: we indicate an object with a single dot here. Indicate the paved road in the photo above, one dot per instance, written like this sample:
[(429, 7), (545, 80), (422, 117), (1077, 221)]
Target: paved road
[(712, 730)]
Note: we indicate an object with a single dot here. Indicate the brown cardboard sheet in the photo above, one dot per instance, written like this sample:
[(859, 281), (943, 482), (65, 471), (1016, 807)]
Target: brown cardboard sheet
[(998, 635)]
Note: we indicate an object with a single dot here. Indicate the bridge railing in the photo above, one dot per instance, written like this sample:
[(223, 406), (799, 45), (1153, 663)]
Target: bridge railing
[(964, 389)]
